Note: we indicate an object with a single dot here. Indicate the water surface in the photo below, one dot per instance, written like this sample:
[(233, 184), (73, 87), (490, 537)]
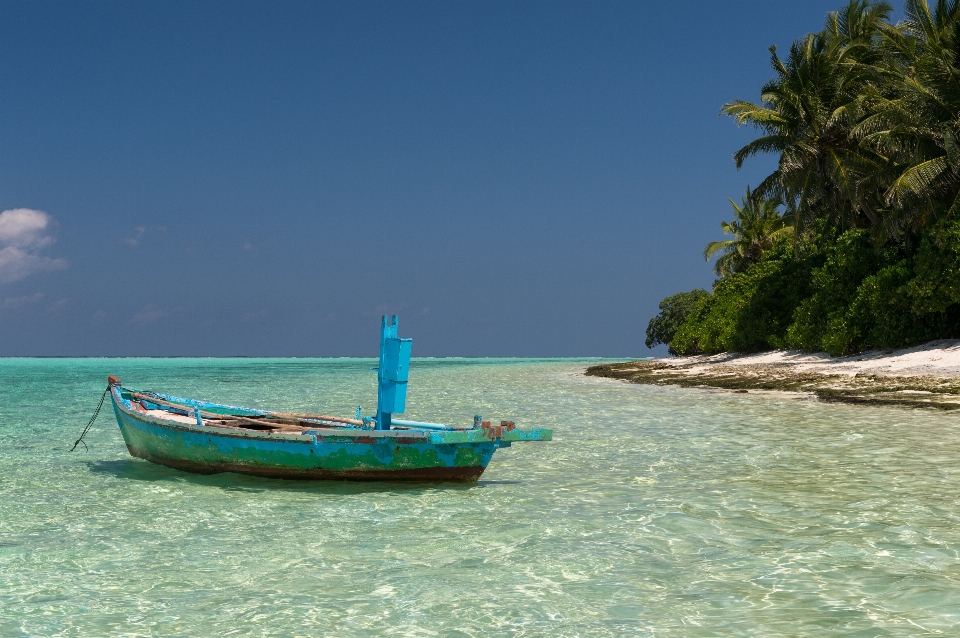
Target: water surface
[(655, 511)]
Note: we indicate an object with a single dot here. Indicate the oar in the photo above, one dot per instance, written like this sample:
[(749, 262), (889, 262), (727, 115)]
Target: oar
[(320, 417)]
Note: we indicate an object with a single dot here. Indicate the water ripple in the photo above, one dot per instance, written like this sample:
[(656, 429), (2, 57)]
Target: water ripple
[(654, 511)]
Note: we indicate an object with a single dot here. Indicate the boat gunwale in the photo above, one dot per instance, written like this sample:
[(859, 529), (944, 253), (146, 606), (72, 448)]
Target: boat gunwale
[(311, 435), (197, 403)]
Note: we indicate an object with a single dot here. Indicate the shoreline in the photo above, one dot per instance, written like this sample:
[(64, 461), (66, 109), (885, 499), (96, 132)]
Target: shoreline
[(926, 376)]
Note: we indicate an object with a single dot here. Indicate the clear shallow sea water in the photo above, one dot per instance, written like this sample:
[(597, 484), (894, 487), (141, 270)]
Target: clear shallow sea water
[(655, 511)]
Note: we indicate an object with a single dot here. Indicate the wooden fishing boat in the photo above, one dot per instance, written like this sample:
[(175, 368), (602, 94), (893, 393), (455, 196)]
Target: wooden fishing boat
[(204, 437)]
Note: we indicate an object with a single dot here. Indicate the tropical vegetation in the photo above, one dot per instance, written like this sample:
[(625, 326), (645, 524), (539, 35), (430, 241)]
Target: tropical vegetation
[(757, 223), (853, 242)]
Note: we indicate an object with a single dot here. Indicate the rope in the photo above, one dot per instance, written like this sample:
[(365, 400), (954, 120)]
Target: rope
[(92, 419)]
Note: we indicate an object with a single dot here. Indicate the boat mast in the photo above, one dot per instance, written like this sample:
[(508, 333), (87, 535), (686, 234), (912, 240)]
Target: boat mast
[(392, 373)]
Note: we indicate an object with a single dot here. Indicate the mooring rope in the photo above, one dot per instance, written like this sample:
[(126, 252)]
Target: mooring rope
[(92, 419)]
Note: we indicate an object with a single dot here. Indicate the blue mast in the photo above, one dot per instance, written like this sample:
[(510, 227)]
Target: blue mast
[(392, 374)]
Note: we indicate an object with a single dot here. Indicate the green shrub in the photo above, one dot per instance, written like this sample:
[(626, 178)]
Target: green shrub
[(834, 285), (686, 341), (749, 311), (848, 298), (936, 282), (674, 310), (878, 317)]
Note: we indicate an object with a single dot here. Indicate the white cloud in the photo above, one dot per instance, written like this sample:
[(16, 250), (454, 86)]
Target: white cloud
[(16, 264), (58, 305), (9, 303), (24, 228), (23, 233), (138, 234)]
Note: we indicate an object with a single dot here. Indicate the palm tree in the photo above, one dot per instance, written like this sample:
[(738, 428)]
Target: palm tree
[(756, 225), (918, 126), (807, 113)]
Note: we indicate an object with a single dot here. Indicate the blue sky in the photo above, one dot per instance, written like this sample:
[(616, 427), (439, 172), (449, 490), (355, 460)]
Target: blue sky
[(267, 179)]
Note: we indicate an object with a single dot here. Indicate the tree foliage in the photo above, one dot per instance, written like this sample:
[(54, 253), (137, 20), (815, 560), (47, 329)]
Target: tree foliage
[(756, 225), (863, 118), (674, 311)]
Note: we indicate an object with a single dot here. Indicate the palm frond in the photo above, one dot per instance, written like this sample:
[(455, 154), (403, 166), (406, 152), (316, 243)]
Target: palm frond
[(916, 180)]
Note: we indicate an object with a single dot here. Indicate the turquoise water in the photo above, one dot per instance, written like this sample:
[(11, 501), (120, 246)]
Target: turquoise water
[(655, 511)]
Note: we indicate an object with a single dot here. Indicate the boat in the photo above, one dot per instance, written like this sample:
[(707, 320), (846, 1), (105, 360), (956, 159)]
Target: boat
[(207, 438)]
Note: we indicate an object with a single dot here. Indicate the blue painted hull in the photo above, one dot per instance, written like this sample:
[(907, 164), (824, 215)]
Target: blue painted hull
[(321, 453)]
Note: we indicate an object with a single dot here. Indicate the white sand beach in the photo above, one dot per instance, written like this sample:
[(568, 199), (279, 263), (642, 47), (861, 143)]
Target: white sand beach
[(934, 359), (923, 376)]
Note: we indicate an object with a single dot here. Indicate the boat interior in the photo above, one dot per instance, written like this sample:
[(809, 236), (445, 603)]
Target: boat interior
[(197, 413), (170, 408)]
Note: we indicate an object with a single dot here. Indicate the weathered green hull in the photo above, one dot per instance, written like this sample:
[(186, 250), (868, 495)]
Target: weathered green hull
[(321, 453)]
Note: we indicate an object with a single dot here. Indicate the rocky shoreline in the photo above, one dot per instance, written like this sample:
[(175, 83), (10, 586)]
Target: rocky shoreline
[(926, 377)]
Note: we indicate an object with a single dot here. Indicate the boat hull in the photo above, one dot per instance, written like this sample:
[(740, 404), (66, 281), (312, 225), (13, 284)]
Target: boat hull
[(426, 474), (357, 455)]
